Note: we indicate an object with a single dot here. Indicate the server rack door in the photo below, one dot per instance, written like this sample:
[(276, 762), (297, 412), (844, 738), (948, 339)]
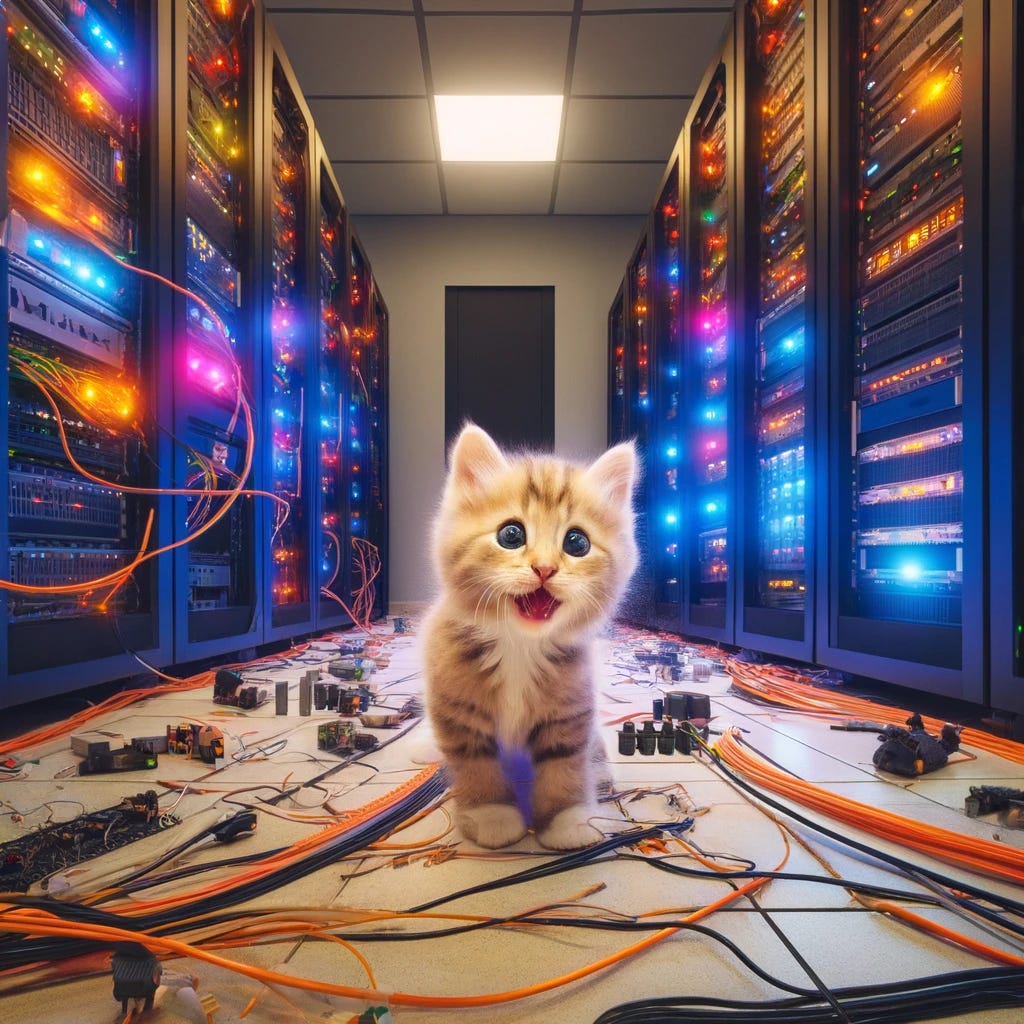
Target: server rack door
[(214, 361), (906, 539), (377, 380), (291, 385), (82, 525), (665, 441), (332, 373), (618, 387), (709, 356), (776, 369), (638, 605), (1006, 331)]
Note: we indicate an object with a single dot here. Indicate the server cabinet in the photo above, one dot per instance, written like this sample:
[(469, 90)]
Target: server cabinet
[(904, 546), (290, 326), (215, 368), (84, 528), (666, 440), (638, 604), (1006, 366), (708, 359), (334, 587), (368, 467), (618, 386), (776, 369)]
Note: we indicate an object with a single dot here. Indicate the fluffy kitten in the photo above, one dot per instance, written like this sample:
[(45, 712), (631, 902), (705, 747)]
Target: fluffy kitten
[(533, 554)]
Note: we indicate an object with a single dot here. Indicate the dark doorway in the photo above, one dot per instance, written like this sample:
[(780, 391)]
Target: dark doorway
[(499, 363)]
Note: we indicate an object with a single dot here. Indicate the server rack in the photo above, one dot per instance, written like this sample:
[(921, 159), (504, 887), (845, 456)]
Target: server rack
[(638, 604), (290, 325), (666, 442), (904, 551), (709, 356), (334, 585), (78, 472), (368, 538), (618, 380), (775, 376), (1006, 367), (216, 368)]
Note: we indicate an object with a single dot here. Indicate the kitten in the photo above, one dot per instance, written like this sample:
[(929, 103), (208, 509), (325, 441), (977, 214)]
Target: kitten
[(533, 554)]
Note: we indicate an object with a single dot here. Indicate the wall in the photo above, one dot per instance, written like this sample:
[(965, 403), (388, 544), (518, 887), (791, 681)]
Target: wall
[(413, 259)]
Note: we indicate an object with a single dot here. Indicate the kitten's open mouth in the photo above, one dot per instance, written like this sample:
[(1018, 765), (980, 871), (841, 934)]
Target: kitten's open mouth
[(537, 606)]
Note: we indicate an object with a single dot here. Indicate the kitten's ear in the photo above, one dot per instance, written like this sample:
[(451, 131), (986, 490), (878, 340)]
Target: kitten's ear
[(475, 458), (615, 472)]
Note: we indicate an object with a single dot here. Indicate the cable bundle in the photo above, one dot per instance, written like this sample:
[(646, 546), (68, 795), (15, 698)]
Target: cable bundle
[(789, 689)]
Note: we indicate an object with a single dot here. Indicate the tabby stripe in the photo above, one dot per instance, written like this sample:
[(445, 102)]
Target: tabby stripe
[(555, 723), (470, 751), (561, 751)]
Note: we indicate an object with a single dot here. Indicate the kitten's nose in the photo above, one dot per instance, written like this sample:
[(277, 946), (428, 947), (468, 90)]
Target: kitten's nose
[(544, 571)]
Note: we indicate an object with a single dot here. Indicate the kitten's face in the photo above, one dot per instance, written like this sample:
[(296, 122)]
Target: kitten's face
[(534, 543)]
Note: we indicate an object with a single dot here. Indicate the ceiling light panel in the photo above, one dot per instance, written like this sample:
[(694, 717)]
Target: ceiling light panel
[(509, 129)]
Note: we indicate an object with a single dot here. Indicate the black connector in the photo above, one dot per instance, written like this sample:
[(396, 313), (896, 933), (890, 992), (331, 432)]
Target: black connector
[(241, 824)]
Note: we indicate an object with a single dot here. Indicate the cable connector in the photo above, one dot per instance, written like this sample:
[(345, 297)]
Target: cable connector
[(236, 827)]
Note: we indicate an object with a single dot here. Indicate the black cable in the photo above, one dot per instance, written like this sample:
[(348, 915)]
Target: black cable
[(918, 999), (888, 858), (560, 864)]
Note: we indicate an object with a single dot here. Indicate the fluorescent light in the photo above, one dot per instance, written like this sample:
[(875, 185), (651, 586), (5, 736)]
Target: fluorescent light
[(499, 128)]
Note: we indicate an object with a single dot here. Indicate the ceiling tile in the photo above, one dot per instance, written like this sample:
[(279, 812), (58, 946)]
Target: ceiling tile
[(353, 54), (628, 129), (337, 5), (498, 188), (699, 6), (603, 189), (389, 188), (375, 129), (497, 6), (645, 54), (499, 56)]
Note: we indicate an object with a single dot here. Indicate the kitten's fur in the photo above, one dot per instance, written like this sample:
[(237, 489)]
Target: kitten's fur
[(502, 676)]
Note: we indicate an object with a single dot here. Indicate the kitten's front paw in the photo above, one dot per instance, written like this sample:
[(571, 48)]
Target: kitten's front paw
[(570, 829), (492, 825)]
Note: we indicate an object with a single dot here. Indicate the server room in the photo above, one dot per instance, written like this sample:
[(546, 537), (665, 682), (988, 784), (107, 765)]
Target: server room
[(513, 512)]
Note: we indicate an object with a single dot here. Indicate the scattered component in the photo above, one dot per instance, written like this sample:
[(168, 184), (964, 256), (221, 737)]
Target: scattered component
[(647, 739), (683, 706), (305, 696), (627, 739), (912, 751), (365, 741), (150, 744), (230, 688), (336, 735), (281, 698), (96, 742), (181, 738), (987, 799), (10, 765), (128, 759), (856, 726), (382, 718), (136, 975), (666, 739), (658, 709), (399, 624), (210, 744), (236, 827), (38, 854), (1013, 816)]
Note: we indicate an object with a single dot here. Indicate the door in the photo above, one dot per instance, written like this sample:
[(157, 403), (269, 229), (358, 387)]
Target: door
[(500, 363)]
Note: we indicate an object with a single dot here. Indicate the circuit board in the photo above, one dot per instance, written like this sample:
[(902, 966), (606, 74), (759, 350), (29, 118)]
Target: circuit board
[(43, 851)]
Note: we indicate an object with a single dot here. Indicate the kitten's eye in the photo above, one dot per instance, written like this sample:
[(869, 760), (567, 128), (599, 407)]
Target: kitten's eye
[(576, 543), (512, 535)]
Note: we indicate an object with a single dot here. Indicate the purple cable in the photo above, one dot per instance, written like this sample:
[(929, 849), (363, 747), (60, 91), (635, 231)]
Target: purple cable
[(517, 768)]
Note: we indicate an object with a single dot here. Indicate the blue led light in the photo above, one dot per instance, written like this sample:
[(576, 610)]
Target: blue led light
[(673, 371), (910, 571), (871, 170), (672, 452), (711, 507), (671, 518)]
